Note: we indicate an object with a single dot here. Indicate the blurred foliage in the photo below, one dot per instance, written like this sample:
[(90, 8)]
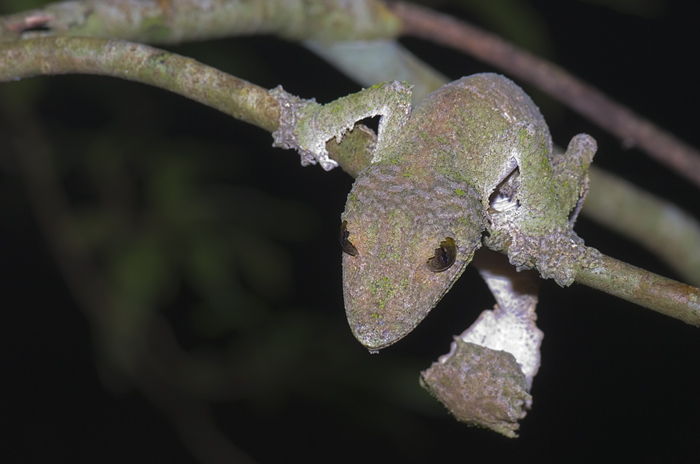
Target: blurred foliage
[(14, 6), (162, 218)]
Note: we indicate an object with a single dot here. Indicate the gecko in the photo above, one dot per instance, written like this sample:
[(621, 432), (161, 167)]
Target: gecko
[(472, 164)]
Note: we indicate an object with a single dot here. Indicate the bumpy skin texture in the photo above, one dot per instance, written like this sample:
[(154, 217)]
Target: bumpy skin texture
[(474, 159)]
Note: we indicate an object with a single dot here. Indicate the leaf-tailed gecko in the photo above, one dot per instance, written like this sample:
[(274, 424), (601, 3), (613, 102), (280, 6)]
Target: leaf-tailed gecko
[(472, 164)]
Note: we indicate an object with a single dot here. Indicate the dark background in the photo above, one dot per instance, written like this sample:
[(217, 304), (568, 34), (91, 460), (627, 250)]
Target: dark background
[(616, 381)]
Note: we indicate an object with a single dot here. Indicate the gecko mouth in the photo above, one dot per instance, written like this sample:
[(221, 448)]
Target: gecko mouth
[(380, 334)]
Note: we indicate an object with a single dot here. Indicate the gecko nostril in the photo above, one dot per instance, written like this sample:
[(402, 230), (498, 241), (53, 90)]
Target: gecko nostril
[(444, 256), (348, 247)]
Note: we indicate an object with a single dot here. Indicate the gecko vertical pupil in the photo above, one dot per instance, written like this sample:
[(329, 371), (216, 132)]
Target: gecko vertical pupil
[(445, 256), (345, 244)]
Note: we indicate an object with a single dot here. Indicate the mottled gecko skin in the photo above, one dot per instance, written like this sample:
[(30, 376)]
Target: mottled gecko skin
[(472, 162)]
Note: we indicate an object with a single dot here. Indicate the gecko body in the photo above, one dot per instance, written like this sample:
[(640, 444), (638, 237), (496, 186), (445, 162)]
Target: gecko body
[(473, 163)]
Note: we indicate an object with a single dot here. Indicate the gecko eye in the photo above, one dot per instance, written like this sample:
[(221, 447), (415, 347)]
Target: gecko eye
[(348, 247), (444, 256)]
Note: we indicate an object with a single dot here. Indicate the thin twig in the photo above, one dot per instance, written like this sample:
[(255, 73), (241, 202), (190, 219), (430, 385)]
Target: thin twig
[(140, 63), (152, 66), (644, 288), (631, 128), (176, 21)]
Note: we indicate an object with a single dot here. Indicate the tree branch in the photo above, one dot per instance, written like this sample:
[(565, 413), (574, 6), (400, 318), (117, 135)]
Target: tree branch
[(254, 104), (187, 77), (140, 63), (644, 288), (189, 21), (178, 21)]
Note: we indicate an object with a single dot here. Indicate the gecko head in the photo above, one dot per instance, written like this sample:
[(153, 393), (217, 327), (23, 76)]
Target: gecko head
[(406, 239)]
